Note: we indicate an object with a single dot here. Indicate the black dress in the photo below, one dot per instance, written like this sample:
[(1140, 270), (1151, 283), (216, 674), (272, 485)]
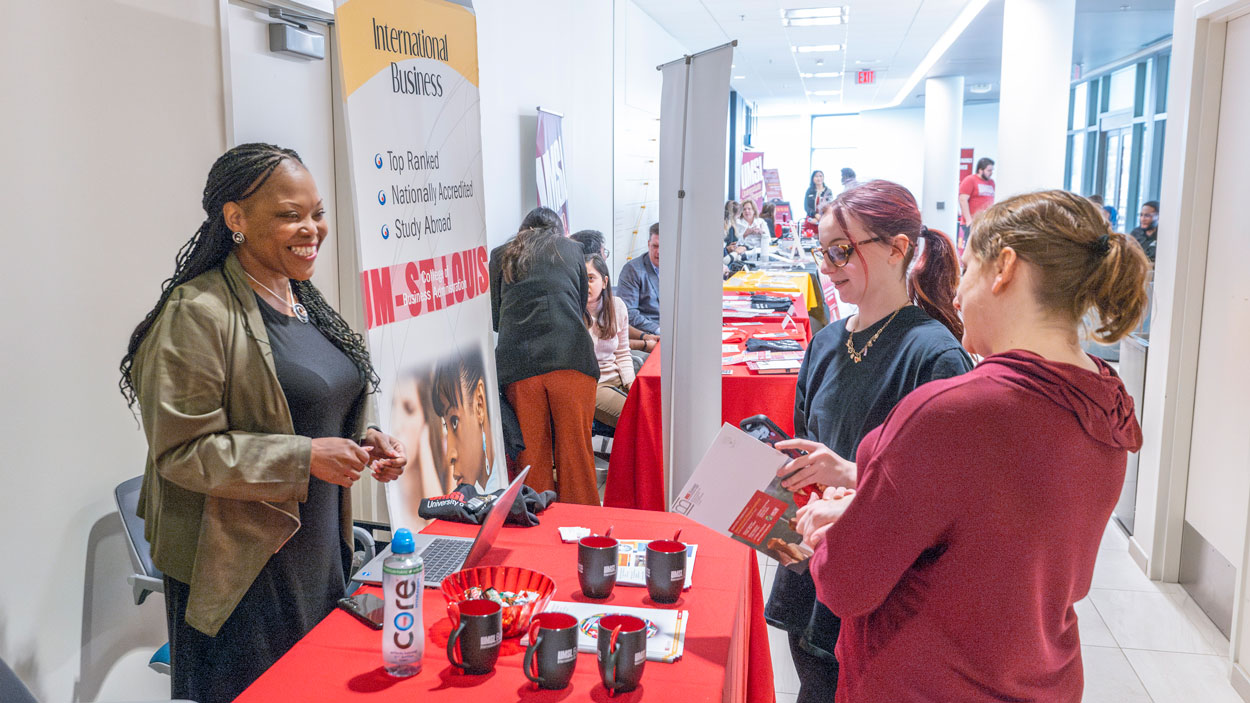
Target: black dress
[(300, 584), (836, 403)]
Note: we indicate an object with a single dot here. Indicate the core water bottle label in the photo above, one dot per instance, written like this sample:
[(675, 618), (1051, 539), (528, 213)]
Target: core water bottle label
[(402, 571)]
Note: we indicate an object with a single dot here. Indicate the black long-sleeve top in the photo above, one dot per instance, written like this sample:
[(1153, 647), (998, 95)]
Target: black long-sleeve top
[(539, 318)]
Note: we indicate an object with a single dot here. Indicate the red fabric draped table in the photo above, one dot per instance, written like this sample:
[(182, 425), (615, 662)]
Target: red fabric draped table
[(726, 654), (797, 312), (636, 467)]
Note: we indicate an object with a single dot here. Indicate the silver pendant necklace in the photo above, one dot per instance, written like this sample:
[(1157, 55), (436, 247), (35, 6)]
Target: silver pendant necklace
[(301, 314)]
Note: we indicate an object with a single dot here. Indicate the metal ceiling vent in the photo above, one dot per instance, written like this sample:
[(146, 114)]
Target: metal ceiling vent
[(292, 35)]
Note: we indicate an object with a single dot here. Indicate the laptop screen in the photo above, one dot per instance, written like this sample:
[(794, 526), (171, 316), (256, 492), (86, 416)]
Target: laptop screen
[(494, 521)]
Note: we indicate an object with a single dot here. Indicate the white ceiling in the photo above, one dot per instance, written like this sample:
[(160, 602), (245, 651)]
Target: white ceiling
[(890, 36)]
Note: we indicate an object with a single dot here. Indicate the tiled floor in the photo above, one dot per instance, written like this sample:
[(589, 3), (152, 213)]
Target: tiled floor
[(1142, 641)]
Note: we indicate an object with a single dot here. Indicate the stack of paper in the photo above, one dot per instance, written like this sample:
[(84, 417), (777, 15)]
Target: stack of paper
[(666, 629)]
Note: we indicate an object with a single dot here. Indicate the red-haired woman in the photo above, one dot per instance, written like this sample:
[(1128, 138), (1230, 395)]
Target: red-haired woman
[(982, 499), (903, 276)]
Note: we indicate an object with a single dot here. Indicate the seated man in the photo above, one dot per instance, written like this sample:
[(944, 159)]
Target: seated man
[(639, 286)]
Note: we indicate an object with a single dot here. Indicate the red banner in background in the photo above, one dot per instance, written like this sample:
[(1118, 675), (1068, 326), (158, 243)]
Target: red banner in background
[(772, 184), (965, 164), (751, 178), (404, 291), (549, 172)]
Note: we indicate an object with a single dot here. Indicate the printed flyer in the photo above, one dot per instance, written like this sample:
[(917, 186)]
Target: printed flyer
[(410, 83)]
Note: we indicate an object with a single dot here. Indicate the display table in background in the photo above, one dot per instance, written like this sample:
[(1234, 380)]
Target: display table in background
[(726, 655), (784, 281), (636, 467), (798, 312)]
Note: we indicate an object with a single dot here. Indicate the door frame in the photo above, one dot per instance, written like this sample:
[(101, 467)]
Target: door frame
[(368, 497), (1192, 128)]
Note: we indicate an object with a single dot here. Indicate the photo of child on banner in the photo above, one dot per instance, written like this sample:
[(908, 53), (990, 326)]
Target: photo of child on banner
[(442, 412)]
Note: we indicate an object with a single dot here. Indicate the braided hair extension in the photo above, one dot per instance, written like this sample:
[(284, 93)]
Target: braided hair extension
[(234, 177)]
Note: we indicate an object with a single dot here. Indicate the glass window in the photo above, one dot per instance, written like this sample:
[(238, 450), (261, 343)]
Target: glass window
[(1121, 93), (1080, 109), (1139, 90), (1076, 182), (1156, 161), (1161, 83), (1126, 154)]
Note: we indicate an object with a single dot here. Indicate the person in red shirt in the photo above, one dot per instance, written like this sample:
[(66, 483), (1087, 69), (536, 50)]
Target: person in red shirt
[(979, 504), (976, 193)]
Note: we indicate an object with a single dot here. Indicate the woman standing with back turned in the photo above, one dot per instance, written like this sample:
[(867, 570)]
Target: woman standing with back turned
[(982, 500), (855, 371), (546, 361)]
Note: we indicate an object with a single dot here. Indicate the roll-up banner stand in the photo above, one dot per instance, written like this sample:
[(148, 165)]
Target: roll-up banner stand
[(549, 170), (693, 104), (410, 82)]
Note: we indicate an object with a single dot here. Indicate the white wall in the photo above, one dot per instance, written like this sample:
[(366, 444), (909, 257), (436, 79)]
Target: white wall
[(786, 141), (891, 146), (640, 46), (110, 130), (557, 54)]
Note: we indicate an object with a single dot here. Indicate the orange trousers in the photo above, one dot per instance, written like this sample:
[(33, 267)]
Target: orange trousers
[(556, 410)]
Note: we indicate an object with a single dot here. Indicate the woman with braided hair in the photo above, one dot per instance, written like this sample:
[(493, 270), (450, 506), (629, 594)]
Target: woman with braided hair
[(254, 396)]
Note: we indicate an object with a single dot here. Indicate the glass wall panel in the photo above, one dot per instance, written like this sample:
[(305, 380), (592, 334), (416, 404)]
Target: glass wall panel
[(1121, 93), (1076, 148), (1080, 108)]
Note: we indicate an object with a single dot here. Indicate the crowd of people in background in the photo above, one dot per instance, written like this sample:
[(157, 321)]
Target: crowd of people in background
[(908, 554)]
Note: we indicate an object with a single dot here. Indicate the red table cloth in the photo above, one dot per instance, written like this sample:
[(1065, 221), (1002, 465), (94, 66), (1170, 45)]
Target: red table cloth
[(726, 651), (636, 468), (797, 312)]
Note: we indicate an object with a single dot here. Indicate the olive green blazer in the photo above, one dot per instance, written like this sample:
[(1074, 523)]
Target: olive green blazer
[(225, 472)]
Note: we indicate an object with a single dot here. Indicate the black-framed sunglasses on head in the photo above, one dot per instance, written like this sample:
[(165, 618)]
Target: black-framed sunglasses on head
[(838, 254)]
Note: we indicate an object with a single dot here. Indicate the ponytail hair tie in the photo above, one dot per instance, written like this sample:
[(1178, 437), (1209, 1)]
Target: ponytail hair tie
[(1102, 245)]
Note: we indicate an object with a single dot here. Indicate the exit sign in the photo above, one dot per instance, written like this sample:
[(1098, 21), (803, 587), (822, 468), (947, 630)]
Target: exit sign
[(867, 77)]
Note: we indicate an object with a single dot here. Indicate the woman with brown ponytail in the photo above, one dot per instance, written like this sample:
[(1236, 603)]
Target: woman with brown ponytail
[(980, 503), (902, 276)]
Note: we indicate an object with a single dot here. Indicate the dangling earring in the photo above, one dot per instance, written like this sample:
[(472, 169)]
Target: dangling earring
[(238, 238)]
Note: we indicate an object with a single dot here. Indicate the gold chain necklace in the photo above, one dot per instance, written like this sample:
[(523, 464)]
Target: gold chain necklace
[(858, 356)]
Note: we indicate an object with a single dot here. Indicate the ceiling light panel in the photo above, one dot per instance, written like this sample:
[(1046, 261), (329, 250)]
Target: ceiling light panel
[(811, 21), (817, 48), (813, 13), (822, 74)]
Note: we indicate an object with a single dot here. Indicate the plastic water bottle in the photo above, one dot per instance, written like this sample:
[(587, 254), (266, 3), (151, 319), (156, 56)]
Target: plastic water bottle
[(403, 632)]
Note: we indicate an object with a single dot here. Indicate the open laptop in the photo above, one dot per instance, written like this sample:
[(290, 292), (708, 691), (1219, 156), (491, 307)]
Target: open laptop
[(444, 555)]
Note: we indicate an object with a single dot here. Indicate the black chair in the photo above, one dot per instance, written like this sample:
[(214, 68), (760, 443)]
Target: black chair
[(146, 578), (12, 690)]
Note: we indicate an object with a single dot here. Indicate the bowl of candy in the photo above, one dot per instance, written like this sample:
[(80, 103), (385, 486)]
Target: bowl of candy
[(521, 592)]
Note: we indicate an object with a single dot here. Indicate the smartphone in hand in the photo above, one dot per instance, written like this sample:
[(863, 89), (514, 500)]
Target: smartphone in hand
[(765, 430)]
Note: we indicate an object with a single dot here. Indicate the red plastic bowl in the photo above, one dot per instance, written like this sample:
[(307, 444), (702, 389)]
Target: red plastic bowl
[(516, 618)]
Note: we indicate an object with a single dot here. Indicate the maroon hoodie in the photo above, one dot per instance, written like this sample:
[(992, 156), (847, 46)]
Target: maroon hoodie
[(980, 506)]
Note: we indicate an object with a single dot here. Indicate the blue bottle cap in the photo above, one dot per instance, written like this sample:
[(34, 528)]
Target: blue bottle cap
[(401, 543)]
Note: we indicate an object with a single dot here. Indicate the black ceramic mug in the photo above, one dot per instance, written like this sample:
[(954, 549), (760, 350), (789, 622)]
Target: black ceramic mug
[(666, 570), (551, 655), (622, 643), (479, 633), (596, 566)]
